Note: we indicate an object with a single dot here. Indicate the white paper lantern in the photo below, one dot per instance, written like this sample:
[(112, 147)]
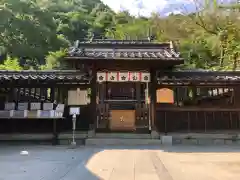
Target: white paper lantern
[(123, 76), (145, 77), (101, 77), (134, 76), (112, 76)]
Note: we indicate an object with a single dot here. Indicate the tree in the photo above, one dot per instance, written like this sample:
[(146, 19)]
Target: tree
[(30, 29), (38, 32)]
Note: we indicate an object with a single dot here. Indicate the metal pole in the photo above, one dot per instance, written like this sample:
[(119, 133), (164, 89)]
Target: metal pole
[(73, 130)]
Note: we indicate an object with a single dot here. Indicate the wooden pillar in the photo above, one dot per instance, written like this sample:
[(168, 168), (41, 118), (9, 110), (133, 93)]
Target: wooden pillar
[(138, 92), (35, 93), (138, 105), (54, 121), (52, 95), (153, 87), (93, 98), (46, 94), (17, 97), (55, 132), (58, 95)]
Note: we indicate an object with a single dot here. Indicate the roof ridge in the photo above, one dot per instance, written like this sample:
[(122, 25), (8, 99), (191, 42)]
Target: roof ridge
[(40, 71), (118, 41)]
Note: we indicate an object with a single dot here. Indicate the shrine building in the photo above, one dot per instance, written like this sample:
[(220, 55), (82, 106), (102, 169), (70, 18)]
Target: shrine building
[(124, 86)]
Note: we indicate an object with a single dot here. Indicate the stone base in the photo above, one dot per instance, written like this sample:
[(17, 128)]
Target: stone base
[(120, 142), (166, 140), (189, 141), (68, 142), (155, 134), (204, 141), (91, 133)]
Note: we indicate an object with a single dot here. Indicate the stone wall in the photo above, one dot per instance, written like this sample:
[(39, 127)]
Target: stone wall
[(207, 139)]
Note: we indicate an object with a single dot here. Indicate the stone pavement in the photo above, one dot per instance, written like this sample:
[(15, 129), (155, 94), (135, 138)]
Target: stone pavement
[(120, 163)]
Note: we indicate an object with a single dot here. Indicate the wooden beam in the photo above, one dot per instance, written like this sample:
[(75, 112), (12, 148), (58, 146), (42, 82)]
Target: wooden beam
[(202, 109), (153, 98), (93, 104)]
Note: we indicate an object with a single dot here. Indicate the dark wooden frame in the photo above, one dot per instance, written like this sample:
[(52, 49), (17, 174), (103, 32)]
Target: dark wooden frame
[(198, 80), (24, 81), (103, 110)]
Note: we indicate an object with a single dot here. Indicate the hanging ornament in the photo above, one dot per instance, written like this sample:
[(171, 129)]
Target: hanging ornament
[(112, 76), (134, 76), (101, 77), (123, 76), (145, 77)]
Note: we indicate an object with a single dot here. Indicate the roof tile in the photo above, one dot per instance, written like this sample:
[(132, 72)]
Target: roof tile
[(123, 49), (199, 76), (44, 76), (161, 54)]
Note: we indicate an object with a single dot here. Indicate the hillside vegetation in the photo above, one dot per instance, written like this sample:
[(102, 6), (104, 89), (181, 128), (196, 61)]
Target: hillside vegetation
[(35, 33)]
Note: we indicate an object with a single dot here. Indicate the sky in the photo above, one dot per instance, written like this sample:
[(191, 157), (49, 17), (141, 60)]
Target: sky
[(146, 7)]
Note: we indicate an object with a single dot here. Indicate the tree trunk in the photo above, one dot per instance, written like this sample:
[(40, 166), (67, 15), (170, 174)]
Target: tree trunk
[(221, 57), (235, 61)]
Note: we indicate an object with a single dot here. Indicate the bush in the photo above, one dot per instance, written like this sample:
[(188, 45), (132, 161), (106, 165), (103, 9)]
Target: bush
[(11, 64), (54, 60)]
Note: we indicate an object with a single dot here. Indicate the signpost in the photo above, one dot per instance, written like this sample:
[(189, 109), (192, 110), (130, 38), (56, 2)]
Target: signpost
[(74, 111)]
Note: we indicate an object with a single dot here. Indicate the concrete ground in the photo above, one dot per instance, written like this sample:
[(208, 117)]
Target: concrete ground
[(120, 163)]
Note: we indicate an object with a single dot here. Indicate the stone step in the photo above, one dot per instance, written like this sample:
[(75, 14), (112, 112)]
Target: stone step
[(117, 141), (122, 136), (69, 135)]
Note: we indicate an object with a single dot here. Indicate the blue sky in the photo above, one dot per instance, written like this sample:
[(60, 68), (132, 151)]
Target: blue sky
[(146, 7), (164, 7)]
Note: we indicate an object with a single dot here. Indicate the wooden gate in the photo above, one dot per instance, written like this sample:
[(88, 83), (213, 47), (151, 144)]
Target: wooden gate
[(122, 107), (122, 120)]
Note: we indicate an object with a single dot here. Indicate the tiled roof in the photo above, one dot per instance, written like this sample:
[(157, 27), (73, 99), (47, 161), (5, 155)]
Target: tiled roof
[(117, 49), (199, 77), (66, 76), (119, 42), (125, 54)]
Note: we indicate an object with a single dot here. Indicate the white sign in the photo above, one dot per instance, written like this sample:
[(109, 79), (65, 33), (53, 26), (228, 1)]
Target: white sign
[(47, 106), (74, 110), (60, 107), (9, 106), (35, 106)]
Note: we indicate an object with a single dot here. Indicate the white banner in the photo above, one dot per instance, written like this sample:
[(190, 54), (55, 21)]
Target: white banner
[(134, 76), (123, 76), (101, 76), (145, 77), (112, 76)]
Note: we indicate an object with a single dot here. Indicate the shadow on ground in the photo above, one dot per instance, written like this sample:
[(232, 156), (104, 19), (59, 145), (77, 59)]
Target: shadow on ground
[(65, 163), (45, 163)]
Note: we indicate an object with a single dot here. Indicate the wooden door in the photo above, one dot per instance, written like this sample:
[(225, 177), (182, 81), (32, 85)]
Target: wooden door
[(122, 120)]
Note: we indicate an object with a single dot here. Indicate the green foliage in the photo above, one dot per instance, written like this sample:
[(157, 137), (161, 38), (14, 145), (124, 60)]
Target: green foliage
[(38, 32), (30, 29), (54, 60), (11, 64)]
